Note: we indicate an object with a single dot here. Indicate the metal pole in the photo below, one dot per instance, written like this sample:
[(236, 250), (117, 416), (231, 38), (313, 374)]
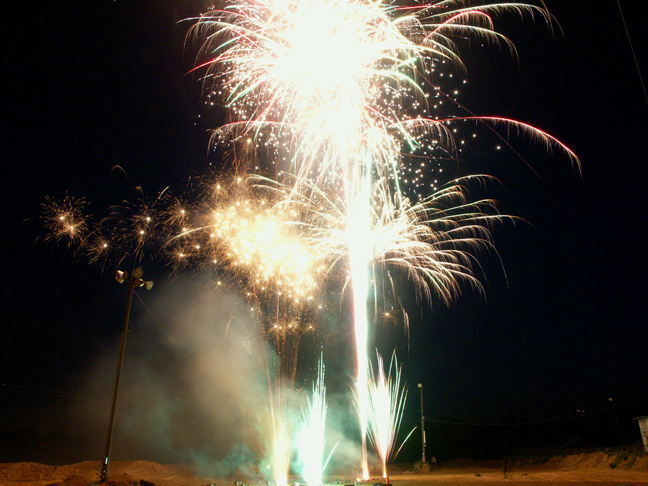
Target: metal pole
[(623, 445), (422, 426), (104, 470), (616, 419)]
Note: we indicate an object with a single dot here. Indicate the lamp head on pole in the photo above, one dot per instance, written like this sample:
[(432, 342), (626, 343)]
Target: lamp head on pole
[(136, 278), (121, 276)]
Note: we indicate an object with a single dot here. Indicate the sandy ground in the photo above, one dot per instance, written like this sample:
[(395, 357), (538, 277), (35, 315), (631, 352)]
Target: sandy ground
[(576, 470)]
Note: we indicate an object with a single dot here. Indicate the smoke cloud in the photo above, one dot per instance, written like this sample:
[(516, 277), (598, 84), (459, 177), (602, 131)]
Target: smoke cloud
[(194, 388)]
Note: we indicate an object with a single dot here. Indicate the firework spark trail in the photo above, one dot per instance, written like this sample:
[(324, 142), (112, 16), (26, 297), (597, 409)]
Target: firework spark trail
[(282, 415), (360, 253), (304, 72), (311, 440), (426, 239), (332, 81), (278, 424), (386, 403)]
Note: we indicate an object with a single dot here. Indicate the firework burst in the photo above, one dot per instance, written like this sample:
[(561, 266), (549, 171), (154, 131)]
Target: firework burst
[(325, 87), (65, 220), (131, 229), (243, 230)]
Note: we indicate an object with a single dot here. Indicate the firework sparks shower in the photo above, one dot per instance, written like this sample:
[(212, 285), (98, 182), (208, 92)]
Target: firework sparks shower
[(311, 440), (386, 404), (336, 92)]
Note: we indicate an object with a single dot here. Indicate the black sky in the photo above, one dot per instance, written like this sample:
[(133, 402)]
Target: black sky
[(94, 85)]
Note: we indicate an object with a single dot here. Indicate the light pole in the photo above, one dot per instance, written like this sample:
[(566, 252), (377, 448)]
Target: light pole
[(420, 385), (616, 419), (134, 281)]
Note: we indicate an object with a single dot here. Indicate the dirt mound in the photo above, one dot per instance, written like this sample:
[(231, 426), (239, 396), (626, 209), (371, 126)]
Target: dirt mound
[(577, 461), (143, 469), (640, 463), (630, 462), (121, 479), (599, 460), (74, 480), (594, 460), (122, 473), (87, 469), (27, 471)]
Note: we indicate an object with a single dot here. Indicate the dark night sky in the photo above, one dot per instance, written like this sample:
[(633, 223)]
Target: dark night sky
[(93, 85)]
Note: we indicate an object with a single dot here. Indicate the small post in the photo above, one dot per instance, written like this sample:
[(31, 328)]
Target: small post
[(420, 385)]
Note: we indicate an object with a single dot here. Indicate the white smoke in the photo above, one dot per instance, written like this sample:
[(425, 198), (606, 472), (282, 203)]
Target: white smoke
[(194, 388)]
